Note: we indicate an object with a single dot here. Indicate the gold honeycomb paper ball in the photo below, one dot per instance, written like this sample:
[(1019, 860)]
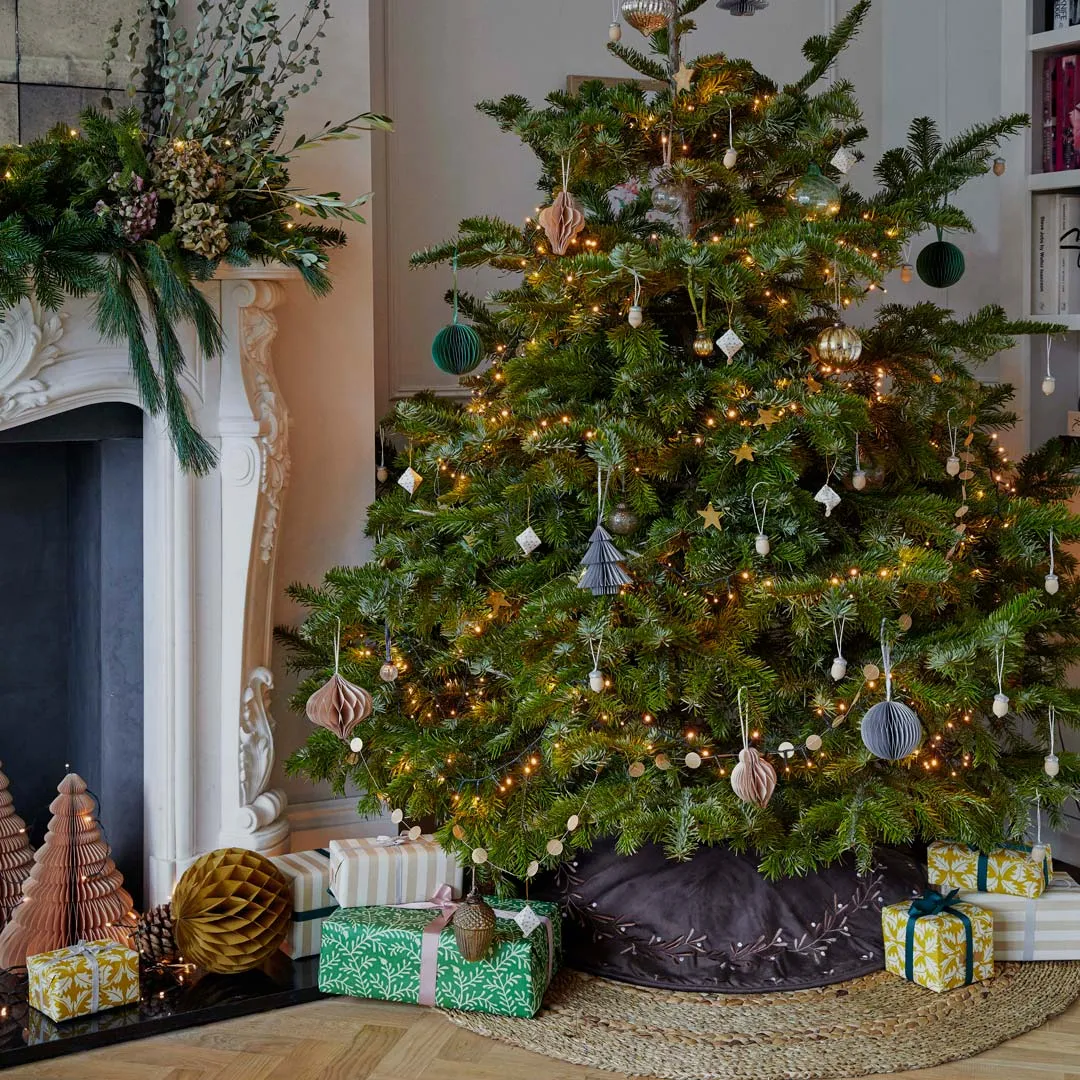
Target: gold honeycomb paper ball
[(230, 911)]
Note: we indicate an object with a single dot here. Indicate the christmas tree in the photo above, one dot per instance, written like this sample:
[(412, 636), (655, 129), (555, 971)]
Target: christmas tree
[(74, 892), (16, 854), (816, 521)]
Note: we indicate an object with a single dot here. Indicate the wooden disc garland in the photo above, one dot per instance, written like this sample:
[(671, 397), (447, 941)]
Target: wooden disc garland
[(230, 911), (338, 705), (753, 779)]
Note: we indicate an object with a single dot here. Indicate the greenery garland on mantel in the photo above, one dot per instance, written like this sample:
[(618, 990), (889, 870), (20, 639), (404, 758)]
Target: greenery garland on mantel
[(136, 206)]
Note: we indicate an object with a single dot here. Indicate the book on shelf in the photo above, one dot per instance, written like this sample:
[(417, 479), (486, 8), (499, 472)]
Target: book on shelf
[(1062, 13), (1068, 244), (1055, 256), (1044, 270), (1049, 112)]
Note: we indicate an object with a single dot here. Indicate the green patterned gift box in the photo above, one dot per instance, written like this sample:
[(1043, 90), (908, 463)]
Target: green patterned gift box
[(375, 952)]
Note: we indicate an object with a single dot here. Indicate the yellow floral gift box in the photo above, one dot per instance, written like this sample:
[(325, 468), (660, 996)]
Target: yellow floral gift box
[(83, 979), (938, 942), (1010, 870)]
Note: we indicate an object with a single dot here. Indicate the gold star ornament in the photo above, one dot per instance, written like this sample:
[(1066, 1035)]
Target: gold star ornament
[(712, 517), (682, 78), (766, 418), (743, 453)]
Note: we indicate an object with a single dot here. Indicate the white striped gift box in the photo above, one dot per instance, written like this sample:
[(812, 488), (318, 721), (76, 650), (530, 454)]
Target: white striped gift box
[(385, 871), (1047, 928), (308, 873)]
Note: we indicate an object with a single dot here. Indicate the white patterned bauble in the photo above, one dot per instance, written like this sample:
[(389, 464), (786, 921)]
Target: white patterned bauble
[(839, 669), (731, 157), (952, 466), (762, 545), (636, 316), (730, 344), (410, 480), (1001, 705), (528, 541), (596, 680), (858, 479), (1051, 765), (615, 32)]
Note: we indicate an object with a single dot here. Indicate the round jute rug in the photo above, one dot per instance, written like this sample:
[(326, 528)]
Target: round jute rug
[(877, 1024)]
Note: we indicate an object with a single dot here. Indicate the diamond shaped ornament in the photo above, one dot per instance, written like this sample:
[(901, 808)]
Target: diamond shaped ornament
[(730, 344), (844, 160), (410, 480), (828, 498), (527, 920), (528, 541)]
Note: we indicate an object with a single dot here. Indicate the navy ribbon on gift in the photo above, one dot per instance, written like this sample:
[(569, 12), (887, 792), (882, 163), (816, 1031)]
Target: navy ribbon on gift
[(984, 865), (933, 903)]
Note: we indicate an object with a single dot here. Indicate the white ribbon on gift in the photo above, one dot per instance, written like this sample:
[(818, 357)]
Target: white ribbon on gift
[(400, 840), (93, 955)]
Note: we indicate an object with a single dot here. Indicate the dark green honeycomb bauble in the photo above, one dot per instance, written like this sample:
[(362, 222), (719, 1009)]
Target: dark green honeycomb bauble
[(940, 264), (457, 349)]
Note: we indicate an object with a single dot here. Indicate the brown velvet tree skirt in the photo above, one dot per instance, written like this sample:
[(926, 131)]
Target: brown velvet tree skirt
[(876, 1024)]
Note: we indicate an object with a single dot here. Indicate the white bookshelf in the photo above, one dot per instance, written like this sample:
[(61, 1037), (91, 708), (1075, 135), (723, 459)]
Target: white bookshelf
[(1025, 46)]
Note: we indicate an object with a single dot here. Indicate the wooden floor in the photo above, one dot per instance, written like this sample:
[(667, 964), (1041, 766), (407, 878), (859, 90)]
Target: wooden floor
[(342, 1039)]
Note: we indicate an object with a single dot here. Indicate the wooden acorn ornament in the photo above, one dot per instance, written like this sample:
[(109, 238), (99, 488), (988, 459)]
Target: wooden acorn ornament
[(474, 927)]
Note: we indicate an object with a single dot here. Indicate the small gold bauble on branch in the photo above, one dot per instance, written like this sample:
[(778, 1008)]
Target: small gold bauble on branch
[(703, 344), (474, 927), (230, 911), (839, 346)]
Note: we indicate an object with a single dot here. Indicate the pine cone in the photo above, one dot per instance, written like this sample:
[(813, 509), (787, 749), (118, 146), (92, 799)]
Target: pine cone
[(154, 936)]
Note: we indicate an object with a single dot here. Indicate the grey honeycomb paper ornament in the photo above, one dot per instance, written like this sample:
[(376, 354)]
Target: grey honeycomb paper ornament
[(742, 7), (890, 729)]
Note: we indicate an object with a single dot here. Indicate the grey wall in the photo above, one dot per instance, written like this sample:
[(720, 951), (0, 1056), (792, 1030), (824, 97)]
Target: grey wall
[(50, 61), (71, 620)]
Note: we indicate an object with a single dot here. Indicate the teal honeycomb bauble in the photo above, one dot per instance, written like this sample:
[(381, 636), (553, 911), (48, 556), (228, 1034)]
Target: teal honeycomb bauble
[(457, 349), (940, 264)]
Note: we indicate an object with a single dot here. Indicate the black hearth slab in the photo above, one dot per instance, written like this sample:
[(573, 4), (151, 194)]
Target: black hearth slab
[(166, 1005)]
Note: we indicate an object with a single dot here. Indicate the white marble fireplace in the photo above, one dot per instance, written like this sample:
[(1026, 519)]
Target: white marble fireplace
[(208, 550)]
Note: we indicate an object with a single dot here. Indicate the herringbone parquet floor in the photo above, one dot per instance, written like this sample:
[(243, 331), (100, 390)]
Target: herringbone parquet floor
[(342, 1039)]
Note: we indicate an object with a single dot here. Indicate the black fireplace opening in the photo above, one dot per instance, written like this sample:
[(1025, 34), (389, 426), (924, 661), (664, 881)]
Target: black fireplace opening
[(71, 619)]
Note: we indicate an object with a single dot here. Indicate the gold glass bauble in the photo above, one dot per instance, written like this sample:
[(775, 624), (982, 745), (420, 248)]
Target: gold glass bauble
[(839, 345), (648, 16)]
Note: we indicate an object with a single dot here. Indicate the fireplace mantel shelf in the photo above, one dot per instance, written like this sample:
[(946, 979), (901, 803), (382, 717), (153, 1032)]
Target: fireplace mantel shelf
[(209, 550)]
